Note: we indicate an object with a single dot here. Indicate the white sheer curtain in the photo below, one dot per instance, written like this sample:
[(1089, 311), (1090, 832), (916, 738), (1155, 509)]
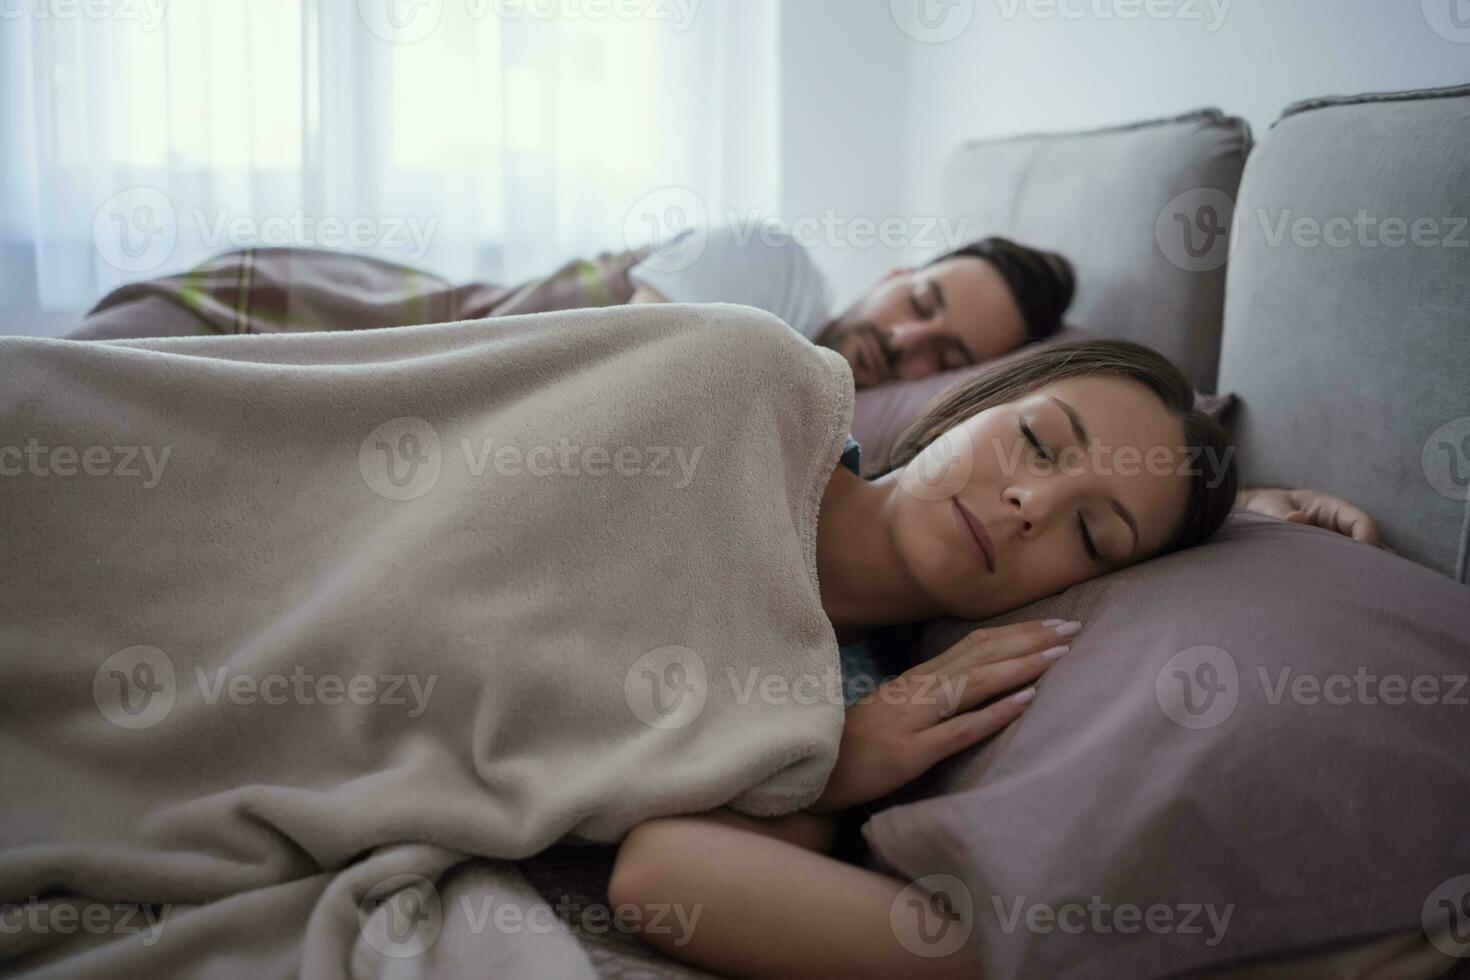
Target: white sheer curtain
[(474, 138)]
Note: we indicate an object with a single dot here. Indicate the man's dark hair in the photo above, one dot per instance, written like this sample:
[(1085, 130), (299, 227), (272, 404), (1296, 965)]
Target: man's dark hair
[(1041, 282)]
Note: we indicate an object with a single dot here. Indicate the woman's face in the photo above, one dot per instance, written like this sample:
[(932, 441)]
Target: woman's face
[(1052, 516)]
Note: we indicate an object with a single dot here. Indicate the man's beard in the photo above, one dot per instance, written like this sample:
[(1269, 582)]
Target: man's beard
[(847, 339)]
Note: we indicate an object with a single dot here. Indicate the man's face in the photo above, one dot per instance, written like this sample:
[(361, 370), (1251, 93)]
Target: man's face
[(918, 322)]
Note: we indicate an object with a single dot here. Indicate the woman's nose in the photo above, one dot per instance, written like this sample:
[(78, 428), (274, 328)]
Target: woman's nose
[(1022, 504)]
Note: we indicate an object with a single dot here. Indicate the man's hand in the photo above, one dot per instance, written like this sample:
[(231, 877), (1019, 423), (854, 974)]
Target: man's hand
[(923, 715), (1315, 508)]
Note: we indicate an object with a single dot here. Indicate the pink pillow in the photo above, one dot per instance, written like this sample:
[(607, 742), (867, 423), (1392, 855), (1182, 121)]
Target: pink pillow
[(1273, 726)]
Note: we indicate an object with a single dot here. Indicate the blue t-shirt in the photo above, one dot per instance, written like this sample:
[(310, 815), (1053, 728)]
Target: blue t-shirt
[(861, 674)]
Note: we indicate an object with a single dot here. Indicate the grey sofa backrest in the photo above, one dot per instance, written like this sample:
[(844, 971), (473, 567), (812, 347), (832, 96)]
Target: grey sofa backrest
[(1119, 203), (1347, 314)]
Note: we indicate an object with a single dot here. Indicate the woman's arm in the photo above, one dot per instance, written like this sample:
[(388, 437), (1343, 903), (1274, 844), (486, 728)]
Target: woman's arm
[(760, 897), (756, 898), (1315, 508)]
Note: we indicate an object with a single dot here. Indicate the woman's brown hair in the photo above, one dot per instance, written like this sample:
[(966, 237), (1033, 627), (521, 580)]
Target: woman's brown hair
[(1212, 489)]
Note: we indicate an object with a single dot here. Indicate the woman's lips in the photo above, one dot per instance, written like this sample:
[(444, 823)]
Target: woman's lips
[(973, 533)]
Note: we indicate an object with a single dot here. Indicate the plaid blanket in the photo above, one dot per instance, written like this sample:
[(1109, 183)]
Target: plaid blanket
[(293, 290)]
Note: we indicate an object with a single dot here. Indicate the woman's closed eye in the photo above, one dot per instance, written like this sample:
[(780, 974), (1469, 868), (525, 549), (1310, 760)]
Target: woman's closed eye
[(1035, 443), (918, 307), (1088, 545)]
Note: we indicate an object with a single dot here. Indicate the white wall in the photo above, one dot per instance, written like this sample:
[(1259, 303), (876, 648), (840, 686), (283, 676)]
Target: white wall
[(844, 67), (1012, 74)]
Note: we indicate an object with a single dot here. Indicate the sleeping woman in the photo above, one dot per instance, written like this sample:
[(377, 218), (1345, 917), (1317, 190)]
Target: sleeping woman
[(210, 677), (1011, 487)]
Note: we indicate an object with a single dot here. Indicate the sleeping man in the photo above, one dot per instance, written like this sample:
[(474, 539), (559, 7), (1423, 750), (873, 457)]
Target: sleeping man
[(967, 306)]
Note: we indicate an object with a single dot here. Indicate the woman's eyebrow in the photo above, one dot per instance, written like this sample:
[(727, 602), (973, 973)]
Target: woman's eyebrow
[(1076, 419), (1081, 433)]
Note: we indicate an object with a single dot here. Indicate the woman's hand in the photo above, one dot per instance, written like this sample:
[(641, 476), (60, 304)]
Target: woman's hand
[(1315, 508), (924, 715)]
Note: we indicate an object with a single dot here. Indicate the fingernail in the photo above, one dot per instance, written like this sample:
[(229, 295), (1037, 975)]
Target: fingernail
[(1026, 696), (1069, 629), (1054, 622), (1055, 652)]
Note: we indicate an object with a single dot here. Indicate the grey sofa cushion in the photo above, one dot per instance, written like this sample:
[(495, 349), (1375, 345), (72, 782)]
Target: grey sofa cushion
[(1349, 343), (1112, 201)]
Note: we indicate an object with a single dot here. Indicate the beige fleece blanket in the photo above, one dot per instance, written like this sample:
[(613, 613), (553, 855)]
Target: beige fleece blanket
[(300, 630)]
